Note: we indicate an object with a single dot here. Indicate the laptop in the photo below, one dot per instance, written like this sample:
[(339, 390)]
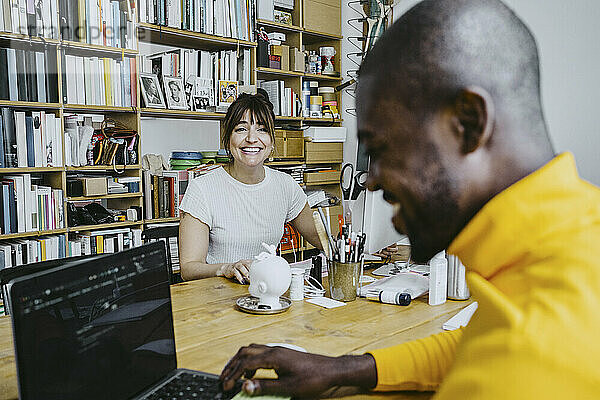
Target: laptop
[(102, 328)]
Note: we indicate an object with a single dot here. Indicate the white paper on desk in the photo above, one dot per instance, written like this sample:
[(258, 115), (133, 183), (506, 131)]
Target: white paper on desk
[(461, 318), (326, 302)]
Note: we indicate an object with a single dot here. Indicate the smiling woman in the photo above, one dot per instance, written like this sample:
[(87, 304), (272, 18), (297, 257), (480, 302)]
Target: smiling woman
[(230, 211)]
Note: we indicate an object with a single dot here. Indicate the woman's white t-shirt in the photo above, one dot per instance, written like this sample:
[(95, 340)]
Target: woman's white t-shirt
[(241, 216)]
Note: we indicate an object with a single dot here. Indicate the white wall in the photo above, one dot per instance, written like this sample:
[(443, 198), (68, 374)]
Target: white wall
[(568, 35), (164, 135)]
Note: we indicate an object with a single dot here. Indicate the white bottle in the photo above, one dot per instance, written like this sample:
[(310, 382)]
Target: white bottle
[(438, 279)]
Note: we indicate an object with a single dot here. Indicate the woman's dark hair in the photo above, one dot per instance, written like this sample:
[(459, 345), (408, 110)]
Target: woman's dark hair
[(261, 111)]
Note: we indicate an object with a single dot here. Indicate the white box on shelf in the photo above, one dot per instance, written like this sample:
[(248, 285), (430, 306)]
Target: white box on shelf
[(326, 133), (276, 36)]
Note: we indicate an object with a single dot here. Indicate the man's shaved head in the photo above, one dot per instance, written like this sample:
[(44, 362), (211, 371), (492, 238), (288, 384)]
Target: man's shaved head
[(453, 90)]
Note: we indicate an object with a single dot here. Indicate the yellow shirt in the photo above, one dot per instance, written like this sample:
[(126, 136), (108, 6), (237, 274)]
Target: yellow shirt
[(533, 260)]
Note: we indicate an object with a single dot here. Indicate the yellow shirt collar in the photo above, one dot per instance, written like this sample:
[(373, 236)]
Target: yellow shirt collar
[(507, 226)]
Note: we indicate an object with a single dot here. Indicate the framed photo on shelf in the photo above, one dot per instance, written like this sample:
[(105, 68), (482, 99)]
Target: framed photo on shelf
[(203, 94), (188, 87), (175, 93), (151, 91), (228, 92)]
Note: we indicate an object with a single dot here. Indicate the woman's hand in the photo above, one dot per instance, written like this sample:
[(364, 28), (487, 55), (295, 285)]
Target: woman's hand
[(238, 270)]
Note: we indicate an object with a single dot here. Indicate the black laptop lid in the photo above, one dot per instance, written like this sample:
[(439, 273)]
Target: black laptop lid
[(98, 329)]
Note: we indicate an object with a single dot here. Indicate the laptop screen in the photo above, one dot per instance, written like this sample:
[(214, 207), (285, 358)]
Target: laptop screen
[(97, 329)]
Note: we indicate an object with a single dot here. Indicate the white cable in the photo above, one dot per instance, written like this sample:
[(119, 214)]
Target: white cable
[(293, 249), (312, 291)]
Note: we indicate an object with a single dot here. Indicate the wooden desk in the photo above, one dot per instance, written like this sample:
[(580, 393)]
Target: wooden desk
[(209, 330)]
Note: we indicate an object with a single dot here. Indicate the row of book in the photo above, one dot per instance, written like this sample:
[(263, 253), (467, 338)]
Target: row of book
[(30, 139), (163, 194), (228, 18), (33, 18), (99, 81), (27, 205), (295, 171), (104, 241), (18, 252), (27, 75), (99, 22), (201, 71), (284, 99)]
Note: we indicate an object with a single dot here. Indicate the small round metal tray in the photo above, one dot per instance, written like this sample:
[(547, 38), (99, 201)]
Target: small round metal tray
[(249, 304)]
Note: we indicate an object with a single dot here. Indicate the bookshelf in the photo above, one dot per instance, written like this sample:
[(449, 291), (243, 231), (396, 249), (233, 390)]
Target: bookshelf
[(60, 47)]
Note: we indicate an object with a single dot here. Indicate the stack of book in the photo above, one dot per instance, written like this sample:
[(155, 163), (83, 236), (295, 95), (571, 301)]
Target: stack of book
[(295, 171), (27, 75), (283, 99), (104, 241), (30, 139), (26, 251), (163, 194), (181, 160), (99, 22), (31, 18), (29, 207), (228, 18), (99, 81)]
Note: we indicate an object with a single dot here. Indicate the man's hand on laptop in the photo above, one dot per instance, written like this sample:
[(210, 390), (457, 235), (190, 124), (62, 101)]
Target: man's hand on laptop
[(298, 374)]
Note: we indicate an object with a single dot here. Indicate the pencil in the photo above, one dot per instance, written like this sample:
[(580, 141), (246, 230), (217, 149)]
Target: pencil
[(322, 234)]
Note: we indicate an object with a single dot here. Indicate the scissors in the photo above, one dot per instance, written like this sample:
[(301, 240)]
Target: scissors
[(351, 184)]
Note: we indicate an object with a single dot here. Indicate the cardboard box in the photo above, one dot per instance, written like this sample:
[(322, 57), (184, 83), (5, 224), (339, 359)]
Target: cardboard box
[(94, 186), (282, 51), (322, 177), (288, 144), (324, 152), (323, 16), (297, 60)]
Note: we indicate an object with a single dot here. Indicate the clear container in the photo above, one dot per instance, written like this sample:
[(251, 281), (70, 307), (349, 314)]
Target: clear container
[(343, 279)]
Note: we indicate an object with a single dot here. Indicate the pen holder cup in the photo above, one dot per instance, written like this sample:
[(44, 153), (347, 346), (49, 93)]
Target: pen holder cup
[(343, 279)]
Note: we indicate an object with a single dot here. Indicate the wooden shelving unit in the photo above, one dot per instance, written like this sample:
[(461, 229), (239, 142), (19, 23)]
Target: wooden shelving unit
[(106, 196), (122, 224), (160, 112), (56, 177)]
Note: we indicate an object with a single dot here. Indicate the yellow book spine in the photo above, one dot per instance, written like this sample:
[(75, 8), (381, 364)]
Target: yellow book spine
[(107, 82), (100, 244), (43, 247), (82, 29)]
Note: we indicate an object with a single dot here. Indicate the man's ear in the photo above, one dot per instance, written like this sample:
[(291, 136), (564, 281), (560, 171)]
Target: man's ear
[(474, 118)]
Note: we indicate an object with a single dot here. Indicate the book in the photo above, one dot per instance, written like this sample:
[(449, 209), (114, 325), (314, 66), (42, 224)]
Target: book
[(4, 83), (50, 150), (51, 76), (21, 75), (21, 138), (1, 141), (30, 141), (10, 205), (31, 76), (11, 58), (40, 65), (37, 139), (19, 187), (10, 138)]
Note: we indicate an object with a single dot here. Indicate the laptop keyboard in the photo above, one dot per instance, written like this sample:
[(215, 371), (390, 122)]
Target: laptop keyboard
[(190, 386)]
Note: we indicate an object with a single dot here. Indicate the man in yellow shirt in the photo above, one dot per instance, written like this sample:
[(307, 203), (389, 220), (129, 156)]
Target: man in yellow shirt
[(449, 109)]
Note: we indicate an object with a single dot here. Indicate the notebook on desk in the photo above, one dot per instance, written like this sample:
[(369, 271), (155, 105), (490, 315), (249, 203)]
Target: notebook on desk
[(102, 329)]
